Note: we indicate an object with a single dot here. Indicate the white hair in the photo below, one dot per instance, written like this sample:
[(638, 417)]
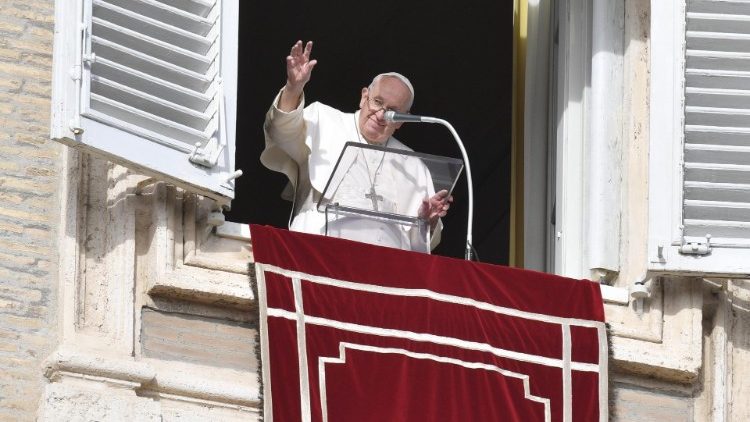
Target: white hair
[(401, 78)]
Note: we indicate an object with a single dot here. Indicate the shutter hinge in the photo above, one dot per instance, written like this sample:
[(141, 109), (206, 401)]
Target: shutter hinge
[(207, 156), (696, 248), (76, 73)]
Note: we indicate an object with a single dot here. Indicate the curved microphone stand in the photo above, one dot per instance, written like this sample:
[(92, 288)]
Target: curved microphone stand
[(392, 116)]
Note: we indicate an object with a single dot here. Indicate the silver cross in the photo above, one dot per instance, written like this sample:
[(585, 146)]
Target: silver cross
[(374, 197)]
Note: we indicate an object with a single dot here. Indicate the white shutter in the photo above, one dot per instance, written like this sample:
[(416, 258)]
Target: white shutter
[(150, 84), (700, 211)]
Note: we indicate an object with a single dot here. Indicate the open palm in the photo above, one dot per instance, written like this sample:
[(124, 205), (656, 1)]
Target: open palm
[(299, 66)]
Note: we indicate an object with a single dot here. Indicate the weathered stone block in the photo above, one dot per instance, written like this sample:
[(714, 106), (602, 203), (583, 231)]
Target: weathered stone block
[(196, 339)]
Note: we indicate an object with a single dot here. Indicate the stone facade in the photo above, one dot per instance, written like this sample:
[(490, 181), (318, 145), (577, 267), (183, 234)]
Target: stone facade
[(157, 311), (29, 206), (118, 301)]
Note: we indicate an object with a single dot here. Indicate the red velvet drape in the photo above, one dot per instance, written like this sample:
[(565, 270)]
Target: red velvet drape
[(388, 335)]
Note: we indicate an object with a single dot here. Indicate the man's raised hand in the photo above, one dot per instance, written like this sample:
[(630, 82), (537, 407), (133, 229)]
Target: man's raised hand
[(299, 66), (298, 70)]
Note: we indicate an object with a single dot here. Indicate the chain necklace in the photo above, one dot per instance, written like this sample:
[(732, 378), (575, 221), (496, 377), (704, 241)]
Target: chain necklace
[(371, 194)]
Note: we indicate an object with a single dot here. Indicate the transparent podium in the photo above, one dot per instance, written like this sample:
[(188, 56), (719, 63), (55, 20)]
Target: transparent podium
[(374, 194)]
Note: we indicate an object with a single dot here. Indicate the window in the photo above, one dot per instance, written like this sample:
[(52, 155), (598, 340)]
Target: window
[(150, 84), (479, 34), (699, 178), (574, 86)]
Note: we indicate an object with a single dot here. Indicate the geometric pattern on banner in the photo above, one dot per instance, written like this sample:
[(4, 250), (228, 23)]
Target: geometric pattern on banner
[(355, 332)]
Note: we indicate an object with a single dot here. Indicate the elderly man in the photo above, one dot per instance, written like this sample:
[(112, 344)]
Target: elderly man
[(304, 143)]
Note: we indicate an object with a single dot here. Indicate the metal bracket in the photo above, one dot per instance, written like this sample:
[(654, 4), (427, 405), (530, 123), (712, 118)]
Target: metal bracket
[(89, 59), (696, 248), (639, 292), (215, 218), (207, 156)]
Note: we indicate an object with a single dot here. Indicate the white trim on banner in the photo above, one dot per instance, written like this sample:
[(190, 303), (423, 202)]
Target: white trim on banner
[(434, 339), (343, 346), (441, 297), (265, 355), (567, 375), (304, 376), (603, 376)]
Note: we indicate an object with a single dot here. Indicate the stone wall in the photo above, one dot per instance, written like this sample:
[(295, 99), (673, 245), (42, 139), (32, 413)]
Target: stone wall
[(29, 205)]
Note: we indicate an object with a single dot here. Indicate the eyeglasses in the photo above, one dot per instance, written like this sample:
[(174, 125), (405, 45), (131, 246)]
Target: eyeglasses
[(377, 105)]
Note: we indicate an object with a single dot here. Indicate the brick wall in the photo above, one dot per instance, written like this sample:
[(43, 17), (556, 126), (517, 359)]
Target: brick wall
[(29, 205)]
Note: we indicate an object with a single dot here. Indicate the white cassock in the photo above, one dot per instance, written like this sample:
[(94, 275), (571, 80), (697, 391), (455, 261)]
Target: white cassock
[(305, 145)]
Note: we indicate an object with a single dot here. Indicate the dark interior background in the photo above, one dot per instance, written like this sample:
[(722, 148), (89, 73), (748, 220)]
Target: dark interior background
[(457, 54)]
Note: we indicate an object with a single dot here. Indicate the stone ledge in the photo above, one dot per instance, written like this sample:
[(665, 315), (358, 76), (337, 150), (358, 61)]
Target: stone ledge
[(74, 362), (677, 355), (236, 231), (658, 367), (220, 386), (212, 384), (616, 295), (205, 286)]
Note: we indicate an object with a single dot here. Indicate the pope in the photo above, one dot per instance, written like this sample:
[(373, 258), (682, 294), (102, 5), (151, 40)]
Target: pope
[(304, 143)]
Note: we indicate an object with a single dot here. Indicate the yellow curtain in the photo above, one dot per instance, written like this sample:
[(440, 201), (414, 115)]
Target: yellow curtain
[(520, 11)]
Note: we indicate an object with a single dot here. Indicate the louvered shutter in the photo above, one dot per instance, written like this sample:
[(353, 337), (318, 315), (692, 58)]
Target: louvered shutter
[(151, 84), (706, 198)]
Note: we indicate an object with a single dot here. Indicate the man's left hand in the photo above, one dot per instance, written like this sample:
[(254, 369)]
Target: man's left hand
[(435, 207)]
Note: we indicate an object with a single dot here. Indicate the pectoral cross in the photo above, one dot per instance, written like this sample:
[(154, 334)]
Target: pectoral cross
[(374, 197)]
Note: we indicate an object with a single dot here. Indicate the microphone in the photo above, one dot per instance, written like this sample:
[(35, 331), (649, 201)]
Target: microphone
[(393, 117)]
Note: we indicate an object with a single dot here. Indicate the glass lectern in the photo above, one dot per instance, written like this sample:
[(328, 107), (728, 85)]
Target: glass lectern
[(375, 192)]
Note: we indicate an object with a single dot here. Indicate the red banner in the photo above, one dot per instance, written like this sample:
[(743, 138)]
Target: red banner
[(355, 332)]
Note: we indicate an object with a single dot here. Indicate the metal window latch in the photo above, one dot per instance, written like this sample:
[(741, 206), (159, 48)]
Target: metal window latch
[(89, 59), (207, 156), (696, 248)]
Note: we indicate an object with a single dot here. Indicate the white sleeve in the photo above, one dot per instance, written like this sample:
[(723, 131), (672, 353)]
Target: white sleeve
[(285, 139)]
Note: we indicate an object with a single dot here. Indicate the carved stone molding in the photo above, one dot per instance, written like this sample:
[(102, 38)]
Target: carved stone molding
[(180, 256), (677, 354), (123, 248), (211, 386)]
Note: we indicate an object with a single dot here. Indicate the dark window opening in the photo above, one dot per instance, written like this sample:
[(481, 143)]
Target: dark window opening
[(458, 56)]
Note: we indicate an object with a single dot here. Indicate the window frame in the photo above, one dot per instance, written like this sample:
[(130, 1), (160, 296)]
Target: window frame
[(70, 125), (666, 156)]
